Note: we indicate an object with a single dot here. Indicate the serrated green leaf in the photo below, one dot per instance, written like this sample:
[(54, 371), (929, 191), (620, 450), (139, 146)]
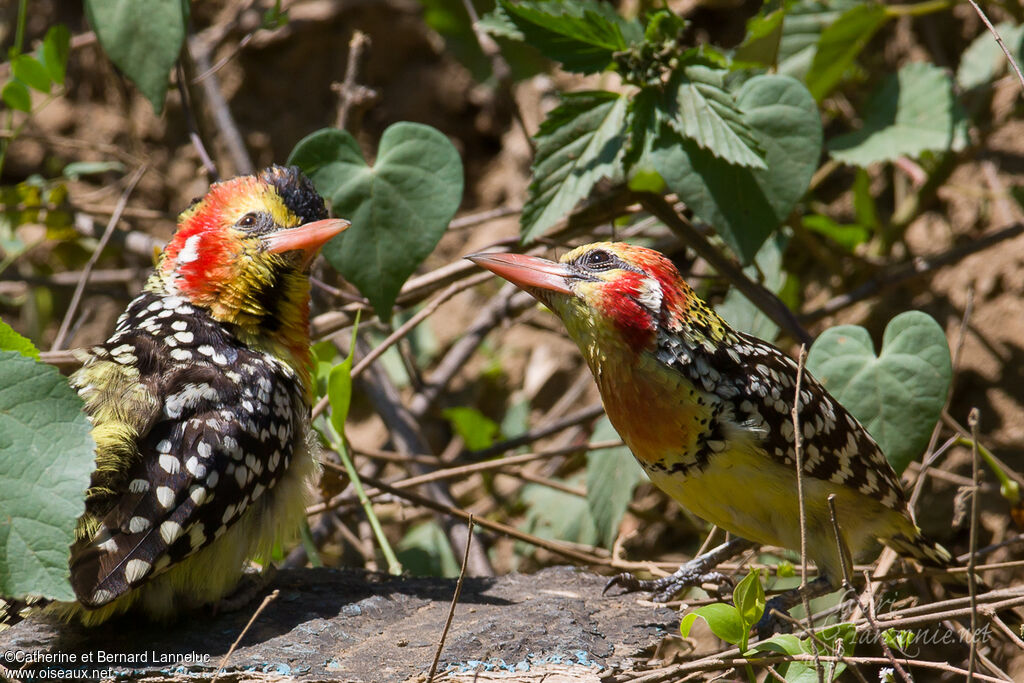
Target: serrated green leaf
[(46, 459), (475, 428), (580, 142), (663, 26), (16, 96), (498, 24), (723, 620), (612, 474), (746, 205), (143, 38), (897, 395), (840, 44), (582, 35), (983, 60), (55, 51), (12, 341), (399, 207), (704, 112), (31, 72), (912, 112)]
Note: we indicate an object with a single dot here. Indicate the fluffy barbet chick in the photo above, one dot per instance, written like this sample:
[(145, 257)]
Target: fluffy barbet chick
[(706, 410), (200, 405)]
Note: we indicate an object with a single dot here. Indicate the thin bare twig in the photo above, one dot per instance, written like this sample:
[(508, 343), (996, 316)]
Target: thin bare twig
[(499, 67), (455, 601), (798, 447), (869, 611), (416, 319), (404, 329), (914, 268), (846, 561), (259, 610), (1006, 631), (222, 62), (498, 527), (844, 552), (723, 663), (999, 39), (475, 219), (461, 471), (351, 96), (585, 415), (76, 298), (407, 434), (199, 49), (972, 587), (510, 301), (193, 127)]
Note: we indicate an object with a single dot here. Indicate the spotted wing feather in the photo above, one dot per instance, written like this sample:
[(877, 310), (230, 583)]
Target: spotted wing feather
[(753, 386), (222, 436)]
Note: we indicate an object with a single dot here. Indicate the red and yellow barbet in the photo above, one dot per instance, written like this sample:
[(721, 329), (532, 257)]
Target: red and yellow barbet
[(706, 410), (200, 405)]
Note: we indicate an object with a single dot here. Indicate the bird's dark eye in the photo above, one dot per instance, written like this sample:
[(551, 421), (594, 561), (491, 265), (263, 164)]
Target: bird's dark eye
[(247, 221), (598, 260)]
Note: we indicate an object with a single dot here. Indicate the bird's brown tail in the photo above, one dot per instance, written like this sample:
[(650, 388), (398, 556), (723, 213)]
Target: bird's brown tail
[(927, 552), (11, 612), (932, 555)]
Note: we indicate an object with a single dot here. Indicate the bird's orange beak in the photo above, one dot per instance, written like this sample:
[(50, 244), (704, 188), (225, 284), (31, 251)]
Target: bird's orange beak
[(308, 238), (528, 272)]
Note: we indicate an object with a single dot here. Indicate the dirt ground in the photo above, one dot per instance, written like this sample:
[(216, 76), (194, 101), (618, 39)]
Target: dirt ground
[(346, 625)]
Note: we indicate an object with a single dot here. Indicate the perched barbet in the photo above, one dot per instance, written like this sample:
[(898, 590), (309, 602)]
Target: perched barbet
[(706, 410), (200, 405)]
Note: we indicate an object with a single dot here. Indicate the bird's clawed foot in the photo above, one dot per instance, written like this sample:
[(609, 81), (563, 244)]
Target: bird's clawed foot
[(250, 586), (697, 572), (665, 588)]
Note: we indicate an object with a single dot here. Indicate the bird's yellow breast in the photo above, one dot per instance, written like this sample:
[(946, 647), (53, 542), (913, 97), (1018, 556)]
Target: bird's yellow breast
[(659, 414)]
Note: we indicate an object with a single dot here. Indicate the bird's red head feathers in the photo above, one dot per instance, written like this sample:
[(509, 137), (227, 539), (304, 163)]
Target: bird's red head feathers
[(242, 253), (632, 290)]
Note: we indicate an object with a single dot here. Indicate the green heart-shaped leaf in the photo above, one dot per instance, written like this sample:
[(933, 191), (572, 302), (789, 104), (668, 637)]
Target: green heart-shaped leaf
[(46, 457), (746, 204), (897, 395), (399, 207), (143, 38)]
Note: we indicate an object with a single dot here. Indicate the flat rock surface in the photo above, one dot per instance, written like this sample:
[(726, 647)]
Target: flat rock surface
[(354, 626)]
